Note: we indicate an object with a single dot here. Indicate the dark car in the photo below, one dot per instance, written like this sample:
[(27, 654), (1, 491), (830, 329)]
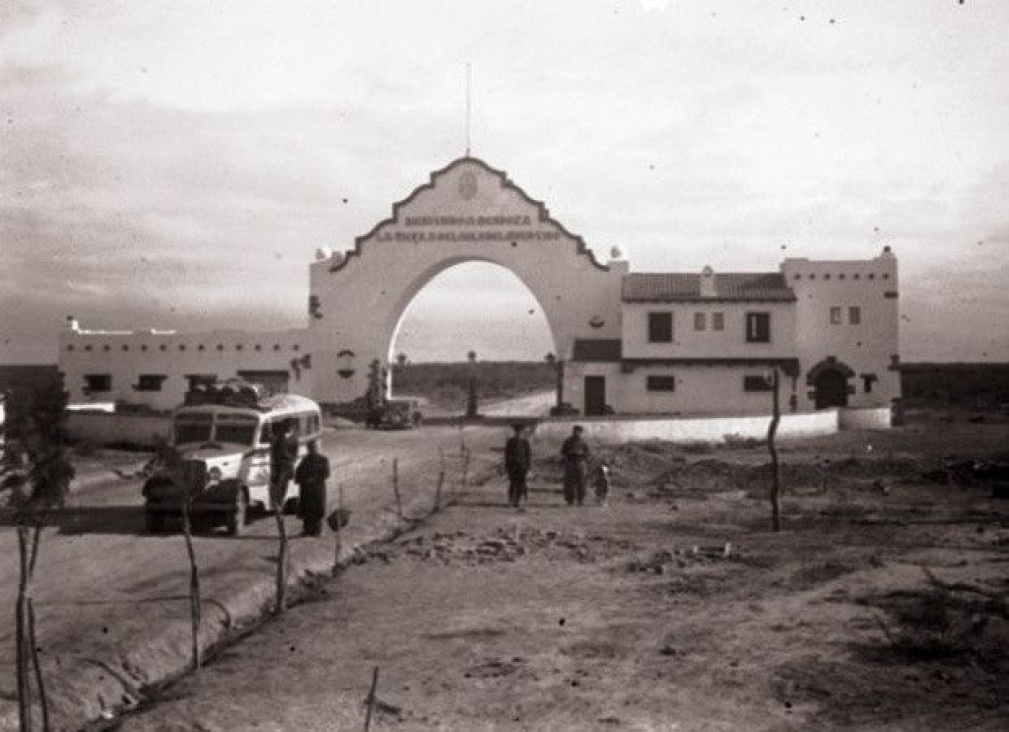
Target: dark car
[(396, 414)]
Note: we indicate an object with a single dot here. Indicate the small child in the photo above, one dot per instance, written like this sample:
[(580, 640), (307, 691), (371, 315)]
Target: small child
[(602, 482)]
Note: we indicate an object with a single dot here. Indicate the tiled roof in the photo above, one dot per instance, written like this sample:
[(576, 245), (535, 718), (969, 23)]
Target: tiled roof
[(606, 350), (683, 287)]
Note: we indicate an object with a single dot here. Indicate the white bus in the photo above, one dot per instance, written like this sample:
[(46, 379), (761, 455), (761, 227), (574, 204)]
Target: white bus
[(225, 459)]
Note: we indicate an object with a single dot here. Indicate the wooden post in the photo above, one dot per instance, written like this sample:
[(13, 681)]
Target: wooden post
[(195, 608), (370, 700), (395, 489), (281, 601), (441, 479), (775, 468), (339, 536)]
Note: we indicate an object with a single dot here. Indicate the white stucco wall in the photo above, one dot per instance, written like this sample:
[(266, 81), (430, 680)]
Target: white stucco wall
[(709, 343), (700, 389), (868, 347), (469, 212), (702, 429), (871, 418), (124, 356), (112, 429)]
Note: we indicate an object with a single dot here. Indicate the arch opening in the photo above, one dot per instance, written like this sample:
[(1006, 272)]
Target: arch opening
[(465, 311)]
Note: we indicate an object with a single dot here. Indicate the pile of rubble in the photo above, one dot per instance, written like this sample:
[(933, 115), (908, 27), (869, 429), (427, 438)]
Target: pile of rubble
[(665, 560), (504, 545)]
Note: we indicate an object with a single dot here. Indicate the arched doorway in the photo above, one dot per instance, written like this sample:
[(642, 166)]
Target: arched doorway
[(469, 212), (829, 379)]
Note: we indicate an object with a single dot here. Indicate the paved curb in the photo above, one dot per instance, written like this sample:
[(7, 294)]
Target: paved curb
[(90, 693)]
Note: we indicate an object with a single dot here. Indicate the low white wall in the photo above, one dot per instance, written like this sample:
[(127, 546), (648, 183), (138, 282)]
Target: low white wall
[(694, 429), (872, 418), (108, 429)]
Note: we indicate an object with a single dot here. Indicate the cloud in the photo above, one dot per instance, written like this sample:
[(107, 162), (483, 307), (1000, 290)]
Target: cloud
[(155, 154)]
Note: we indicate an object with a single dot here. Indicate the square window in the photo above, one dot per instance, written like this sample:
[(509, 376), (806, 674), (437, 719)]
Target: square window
[(757, 383), (758, 327), (867, 381), (96, 383), (660, 383), (660, 327), (718, 321), (835, 315), (855, 315), (700, 321), (150, 382)]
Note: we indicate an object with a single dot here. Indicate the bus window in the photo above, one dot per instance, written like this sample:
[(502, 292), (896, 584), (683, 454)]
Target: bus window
[(237, 428), (192, 427)]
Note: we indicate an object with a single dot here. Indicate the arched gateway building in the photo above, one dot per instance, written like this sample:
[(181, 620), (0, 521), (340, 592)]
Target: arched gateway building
[(630, 342)]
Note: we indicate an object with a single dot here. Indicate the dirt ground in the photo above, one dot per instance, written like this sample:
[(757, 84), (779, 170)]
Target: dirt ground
[(881, 605)]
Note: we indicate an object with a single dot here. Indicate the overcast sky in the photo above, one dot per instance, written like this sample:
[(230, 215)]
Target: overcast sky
[(176, 164)]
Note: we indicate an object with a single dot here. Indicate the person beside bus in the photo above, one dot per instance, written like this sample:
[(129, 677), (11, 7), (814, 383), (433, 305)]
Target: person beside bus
[(283, 455), (311, 475)]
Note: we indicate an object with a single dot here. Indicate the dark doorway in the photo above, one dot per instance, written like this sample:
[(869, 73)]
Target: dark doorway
[(595, 396), (831, 389)]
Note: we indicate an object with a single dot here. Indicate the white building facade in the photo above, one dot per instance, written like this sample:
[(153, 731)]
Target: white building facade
[(627, 342)]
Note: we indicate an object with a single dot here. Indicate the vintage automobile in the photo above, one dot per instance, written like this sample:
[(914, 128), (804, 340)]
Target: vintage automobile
[(396, 414), (219, 455)]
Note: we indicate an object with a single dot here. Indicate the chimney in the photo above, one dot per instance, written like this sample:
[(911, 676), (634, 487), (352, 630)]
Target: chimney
[(708, 282)]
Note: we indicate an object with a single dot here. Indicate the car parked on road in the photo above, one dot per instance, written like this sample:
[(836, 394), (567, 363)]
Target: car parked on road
[(396, 414)]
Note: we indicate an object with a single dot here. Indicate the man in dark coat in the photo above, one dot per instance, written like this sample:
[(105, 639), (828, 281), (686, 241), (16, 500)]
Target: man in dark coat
[(575, 453), (311, 477), (518, 459), (283, 456)]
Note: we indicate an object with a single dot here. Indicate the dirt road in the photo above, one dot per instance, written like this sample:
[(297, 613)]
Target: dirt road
[(104, 588), (882, 605)]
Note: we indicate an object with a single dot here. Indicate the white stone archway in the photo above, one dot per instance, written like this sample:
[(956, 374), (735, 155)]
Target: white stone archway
[(467, 212)]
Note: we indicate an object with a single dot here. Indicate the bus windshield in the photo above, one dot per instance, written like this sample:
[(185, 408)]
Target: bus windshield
[(192, 427), (238, 428)]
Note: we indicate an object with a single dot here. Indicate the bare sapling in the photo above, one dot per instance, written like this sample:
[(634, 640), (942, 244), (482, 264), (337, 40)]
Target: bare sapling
[(195, 605), (775, 467), (37, 472), (370, 700)]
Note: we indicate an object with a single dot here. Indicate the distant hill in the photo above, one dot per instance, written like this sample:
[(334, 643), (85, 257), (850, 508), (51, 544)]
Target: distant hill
[(447, 384)]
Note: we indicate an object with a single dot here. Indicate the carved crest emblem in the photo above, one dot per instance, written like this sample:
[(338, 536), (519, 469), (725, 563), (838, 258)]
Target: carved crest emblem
[(467, 185)]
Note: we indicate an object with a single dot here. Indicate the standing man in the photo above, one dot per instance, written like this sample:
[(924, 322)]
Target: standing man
[(575, 453), (311, 475), (283, 456), (518, 459)]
